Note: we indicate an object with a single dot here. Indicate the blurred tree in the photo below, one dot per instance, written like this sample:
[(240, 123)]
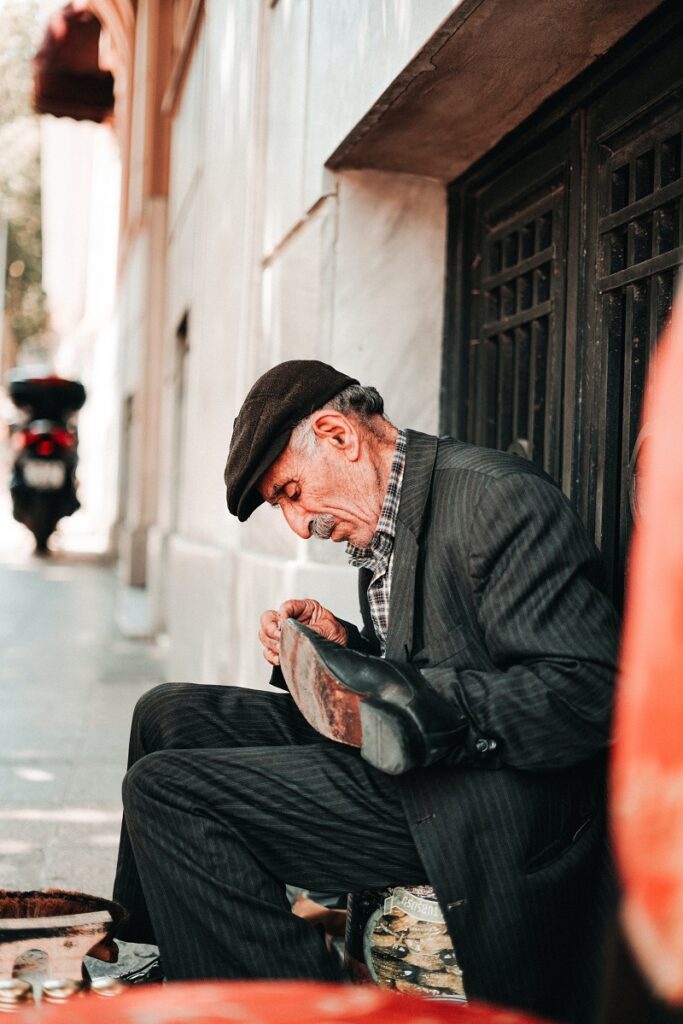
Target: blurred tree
[(22, 23)]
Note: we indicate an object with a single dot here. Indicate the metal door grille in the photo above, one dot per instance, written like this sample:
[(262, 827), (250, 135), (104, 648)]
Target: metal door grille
[(559, 288), (510, 366), (640, 230)]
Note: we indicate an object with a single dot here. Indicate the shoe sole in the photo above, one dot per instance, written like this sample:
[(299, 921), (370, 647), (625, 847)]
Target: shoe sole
[(381, 732), (329, 707)]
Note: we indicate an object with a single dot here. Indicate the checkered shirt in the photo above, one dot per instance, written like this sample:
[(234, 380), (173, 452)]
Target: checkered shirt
[(379, 555)]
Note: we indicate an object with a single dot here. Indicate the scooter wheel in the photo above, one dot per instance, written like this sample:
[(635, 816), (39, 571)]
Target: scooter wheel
[(42, 527)]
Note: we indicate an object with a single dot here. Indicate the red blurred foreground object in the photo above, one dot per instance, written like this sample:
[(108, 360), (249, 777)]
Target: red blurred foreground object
[(263, 1002), (647, 782)]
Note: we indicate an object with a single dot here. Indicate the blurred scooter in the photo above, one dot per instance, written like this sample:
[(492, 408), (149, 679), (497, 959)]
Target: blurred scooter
[(45, 442)]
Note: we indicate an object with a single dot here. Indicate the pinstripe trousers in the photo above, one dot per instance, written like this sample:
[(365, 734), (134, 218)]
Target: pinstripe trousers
[(228, 795)]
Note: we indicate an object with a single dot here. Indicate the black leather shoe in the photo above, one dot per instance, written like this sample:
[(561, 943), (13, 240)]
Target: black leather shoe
[(384, 707)]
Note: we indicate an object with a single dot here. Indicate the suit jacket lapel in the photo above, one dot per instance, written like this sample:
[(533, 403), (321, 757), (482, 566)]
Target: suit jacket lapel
[(417, 479)]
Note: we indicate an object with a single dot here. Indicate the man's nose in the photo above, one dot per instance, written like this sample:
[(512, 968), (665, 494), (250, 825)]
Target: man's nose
[(298, 520)]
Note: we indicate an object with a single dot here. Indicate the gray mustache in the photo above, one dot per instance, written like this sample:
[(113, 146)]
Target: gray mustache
[(322, 526)]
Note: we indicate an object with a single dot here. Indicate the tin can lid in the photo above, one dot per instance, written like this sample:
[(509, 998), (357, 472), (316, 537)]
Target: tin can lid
[(58, 990), (13, 990), (107, 986)]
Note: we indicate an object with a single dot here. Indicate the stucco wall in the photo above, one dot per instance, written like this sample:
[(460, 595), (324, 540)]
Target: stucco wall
[(329, 63)]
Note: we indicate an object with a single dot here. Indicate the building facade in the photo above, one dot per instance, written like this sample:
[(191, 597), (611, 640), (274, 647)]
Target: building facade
[(474, 206)]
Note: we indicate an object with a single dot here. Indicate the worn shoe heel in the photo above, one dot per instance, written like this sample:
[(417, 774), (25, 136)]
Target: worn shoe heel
[(330, 708), (390, 741)]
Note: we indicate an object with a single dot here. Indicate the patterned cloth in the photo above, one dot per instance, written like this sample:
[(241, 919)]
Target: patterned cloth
[(379, 555)]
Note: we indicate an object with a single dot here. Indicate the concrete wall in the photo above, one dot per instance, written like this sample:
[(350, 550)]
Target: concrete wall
[(213, 267), (272, 257), (329, 63)]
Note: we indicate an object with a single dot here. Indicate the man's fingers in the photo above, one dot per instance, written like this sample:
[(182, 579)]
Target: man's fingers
[(297, 608), (272, 657), (269, 636), (270, 624), (313, 615), (270, 642), (272, 630)]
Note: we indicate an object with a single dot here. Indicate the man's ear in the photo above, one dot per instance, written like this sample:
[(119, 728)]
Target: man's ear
[(339, 431)]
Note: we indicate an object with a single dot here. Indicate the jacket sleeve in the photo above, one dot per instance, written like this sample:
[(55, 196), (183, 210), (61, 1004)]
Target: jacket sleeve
[(550, 632)]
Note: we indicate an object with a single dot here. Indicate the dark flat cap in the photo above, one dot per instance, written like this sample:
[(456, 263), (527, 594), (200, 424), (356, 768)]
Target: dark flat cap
[(279, 400)]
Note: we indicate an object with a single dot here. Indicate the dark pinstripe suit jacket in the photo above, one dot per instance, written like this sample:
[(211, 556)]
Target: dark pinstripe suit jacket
[(497, 596)]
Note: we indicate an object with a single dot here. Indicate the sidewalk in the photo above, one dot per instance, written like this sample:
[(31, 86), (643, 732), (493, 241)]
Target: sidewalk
[(68, 684)]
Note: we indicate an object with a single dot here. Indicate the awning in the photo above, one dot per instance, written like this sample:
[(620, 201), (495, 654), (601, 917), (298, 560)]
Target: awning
[(67, 79)]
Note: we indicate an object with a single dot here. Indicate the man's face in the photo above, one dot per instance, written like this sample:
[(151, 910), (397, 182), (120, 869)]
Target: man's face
[(322, 494)]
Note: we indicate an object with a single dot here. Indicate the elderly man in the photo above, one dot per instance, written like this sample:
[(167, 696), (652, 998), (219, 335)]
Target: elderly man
[(478, 692)]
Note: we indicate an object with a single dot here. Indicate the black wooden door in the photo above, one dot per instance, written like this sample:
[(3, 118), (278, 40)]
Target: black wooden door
[(634, 235)]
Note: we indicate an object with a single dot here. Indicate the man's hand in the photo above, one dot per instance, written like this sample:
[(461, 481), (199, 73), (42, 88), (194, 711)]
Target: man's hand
[(310, 612)]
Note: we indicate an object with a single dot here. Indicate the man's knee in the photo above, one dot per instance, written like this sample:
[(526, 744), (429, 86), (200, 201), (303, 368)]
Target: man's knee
[(152, 709), (149, 706), (141, 780)]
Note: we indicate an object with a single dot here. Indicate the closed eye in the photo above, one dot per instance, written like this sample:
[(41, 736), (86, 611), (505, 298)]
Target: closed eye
[(290, 491)]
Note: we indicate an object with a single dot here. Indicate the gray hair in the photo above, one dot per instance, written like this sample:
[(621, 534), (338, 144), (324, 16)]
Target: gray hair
[(357, 400)]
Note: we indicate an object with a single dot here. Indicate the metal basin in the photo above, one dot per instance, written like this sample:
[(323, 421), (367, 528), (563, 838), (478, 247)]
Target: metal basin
[(63, 925)]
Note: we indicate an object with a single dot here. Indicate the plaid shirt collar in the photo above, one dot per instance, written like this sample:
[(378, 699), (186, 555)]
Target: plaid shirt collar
[(381, 545)]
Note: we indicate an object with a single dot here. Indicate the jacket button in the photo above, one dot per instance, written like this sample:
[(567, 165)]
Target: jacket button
[(483, 746)]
